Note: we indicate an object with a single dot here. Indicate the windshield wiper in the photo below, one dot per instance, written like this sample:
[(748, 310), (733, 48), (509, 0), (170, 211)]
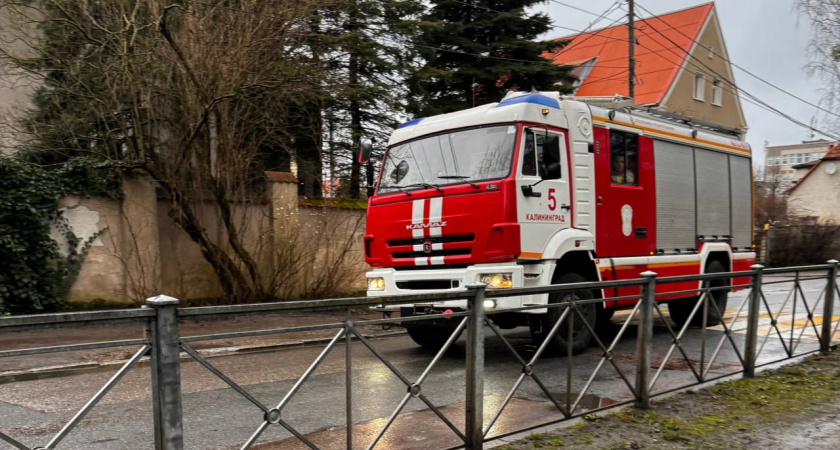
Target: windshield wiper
[(400, 189), (463, 178), (427, 186)]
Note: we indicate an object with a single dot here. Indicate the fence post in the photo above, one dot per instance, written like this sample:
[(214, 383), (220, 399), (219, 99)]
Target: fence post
[(166, 373), (828, 308), (644, 341), (753, 309), (474, 429)]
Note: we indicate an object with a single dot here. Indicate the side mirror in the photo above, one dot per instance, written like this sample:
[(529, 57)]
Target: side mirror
[(550, 169), (363, 153), (371, 189), (399, 172)]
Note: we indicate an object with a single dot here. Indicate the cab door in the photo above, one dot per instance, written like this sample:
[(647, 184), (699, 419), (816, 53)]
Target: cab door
[(625, 197), (542, 185)]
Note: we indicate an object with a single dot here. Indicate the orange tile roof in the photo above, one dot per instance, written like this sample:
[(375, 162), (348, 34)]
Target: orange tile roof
[(657, 60), (832, 153)]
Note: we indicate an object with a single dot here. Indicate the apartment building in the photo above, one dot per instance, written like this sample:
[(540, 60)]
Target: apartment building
[(789, 163)]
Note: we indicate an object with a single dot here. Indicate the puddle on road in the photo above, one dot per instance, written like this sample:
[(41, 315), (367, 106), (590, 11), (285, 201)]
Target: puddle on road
[(587, 403), (423, 429)]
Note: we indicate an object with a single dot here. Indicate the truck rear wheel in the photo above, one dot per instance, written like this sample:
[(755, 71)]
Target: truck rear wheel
[(431, 338), (681, 309), (581, 335)]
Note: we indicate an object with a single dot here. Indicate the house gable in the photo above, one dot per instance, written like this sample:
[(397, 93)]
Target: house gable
[(680, 97), (658, 57), (664, 71), (815, 194)]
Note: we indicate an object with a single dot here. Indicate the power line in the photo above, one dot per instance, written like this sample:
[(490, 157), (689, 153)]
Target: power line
[(766, 105), (739, 67), (756, 101), (612, 77), (476, 55), (577, 8), (749, 97), (516, 16), (610, 10)]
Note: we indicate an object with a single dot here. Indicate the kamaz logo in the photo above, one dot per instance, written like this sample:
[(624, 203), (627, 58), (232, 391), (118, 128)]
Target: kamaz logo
[(420, 226)]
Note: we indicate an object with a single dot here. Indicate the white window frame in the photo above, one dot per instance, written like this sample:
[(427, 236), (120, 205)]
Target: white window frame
[(699, 87), (717, 93)]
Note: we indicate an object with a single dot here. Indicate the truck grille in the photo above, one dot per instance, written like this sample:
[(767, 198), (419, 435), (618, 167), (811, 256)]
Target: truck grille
[(450, 252), (456, 245), (433, 240)]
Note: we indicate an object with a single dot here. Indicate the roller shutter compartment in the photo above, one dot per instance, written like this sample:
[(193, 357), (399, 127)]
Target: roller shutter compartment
[(740, 177), (675, 221), (713, 201)]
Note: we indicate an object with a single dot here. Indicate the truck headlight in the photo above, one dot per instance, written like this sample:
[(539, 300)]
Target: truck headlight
[(376, 284), (497, 280)]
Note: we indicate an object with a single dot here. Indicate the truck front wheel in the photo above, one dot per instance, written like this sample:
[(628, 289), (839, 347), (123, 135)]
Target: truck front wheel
[(581, 334), (431, 338)]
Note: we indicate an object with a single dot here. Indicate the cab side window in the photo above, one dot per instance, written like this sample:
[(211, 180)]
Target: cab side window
[(541, 155), (624, 158), (529, 155)]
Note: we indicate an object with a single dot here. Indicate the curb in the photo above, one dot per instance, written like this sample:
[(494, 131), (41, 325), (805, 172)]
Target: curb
[(66, 370)]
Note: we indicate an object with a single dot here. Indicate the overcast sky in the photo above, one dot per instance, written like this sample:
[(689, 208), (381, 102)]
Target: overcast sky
[(767, 37)]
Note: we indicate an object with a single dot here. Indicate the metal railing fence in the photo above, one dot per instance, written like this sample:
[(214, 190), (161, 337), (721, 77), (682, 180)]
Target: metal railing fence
[(163, 344)]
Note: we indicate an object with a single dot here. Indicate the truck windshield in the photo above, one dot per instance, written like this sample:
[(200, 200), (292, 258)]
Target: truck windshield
[(463, 156)]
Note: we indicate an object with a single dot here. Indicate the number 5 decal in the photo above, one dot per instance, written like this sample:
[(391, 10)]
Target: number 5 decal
[(552, 201)]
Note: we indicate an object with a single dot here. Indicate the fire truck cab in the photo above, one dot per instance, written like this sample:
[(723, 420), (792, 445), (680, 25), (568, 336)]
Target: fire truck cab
[(538, 190)]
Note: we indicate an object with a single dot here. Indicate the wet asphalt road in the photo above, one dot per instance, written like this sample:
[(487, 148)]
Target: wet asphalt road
[(217, 417)]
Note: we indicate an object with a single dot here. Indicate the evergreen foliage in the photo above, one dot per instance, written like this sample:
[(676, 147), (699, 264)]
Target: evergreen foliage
[(477, 50), (368, 43)]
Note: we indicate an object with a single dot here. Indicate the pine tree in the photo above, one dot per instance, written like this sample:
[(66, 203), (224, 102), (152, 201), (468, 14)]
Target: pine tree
[(372, 59), (477, 50)]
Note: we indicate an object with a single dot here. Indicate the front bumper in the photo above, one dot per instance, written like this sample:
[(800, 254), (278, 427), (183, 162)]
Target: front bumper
[(435, 281)]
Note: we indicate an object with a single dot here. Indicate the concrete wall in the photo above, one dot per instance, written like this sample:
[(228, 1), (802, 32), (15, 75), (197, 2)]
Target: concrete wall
[(103, 274), (300, 251)]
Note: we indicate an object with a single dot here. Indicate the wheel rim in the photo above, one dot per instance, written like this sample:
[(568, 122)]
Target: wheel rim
[(578, 327)]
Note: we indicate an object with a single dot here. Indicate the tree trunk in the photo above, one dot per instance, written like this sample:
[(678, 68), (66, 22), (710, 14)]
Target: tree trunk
[(308, 141), (355, 108)]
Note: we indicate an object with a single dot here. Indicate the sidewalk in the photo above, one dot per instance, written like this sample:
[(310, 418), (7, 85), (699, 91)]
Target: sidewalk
[(27, 367), (793, 407)]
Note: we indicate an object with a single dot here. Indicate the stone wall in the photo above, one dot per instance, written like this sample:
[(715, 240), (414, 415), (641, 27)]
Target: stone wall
[(301, 251)]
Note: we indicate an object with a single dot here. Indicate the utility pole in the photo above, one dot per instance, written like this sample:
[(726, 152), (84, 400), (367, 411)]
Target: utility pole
[(631, 42)]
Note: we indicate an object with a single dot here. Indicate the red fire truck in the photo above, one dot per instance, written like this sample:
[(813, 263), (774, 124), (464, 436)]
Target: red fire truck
[(538, 190)]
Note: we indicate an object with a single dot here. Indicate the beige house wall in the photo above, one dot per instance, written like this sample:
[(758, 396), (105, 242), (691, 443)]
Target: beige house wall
[(300, 251), (817, 195), (680, 100)]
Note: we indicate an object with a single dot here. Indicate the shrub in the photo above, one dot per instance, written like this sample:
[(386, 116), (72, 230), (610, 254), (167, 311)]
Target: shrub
[(33, 275)]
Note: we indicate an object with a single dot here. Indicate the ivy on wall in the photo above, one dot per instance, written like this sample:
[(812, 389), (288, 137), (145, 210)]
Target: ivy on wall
[(34, 276)]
